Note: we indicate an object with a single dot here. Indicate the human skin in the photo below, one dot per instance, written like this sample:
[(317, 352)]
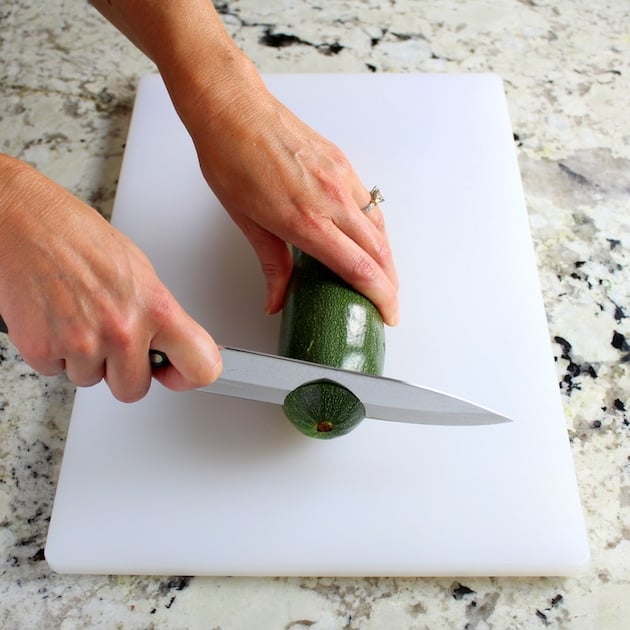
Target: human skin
[(92, 296)]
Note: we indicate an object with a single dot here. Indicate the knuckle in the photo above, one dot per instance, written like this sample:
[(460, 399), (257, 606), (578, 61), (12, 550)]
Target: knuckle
[(132, 391), (383, 249), (339, 160), (35, 352), (161, 306), (81, 343), (275, 272), (333, 181), (335, 190), (379, 220), (363, 269), (310, 224), (40, 355), (307, 219), (120, 333)]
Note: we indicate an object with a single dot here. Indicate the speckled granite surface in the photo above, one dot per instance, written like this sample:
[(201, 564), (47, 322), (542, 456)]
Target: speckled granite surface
[(67, 82)]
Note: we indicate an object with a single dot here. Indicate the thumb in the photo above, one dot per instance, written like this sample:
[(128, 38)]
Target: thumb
[(194, 358)]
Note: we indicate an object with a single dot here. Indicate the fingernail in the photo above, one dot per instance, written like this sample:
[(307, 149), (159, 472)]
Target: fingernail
[(395, 318), (215, 363), (271, 304)]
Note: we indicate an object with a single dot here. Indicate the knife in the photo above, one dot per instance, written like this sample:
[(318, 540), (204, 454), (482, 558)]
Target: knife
[(269, 378)]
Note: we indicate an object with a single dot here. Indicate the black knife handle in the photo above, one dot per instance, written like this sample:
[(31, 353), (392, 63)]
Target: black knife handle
[(157, 357)]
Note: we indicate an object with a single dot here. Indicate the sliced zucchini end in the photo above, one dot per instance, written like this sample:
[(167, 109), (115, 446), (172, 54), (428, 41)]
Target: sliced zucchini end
[(323, 409)]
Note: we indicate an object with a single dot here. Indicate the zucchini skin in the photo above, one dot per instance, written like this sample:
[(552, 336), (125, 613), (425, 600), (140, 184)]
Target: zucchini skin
[(325, 320)]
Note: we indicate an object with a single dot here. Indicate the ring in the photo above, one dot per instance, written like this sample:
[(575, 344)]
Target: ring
[(375, 198)]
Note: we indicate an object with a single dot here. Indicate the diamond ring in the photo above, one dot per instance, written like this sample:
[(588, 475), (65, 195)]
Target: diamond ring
[(375, 198)]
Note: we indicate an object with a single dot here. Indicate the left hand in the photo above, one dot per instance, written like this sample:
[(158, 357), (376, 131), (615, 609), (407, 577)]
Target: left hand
[(284, 183), (280, 180)]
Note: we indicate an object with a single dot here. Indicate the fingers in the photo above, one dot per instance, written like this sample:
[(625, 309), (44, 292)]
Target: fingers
[(351, 261), (195, 361), (302, 189), (354, 245), (376, 243), (121, 356), (359, 250), (194, 356), (366, 260), (47, 367), (85, 372), (127, 370), (275, 260)]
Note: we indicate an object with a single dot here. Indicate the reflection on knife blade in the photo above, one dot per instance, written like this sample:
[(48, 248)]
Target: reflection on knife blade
[(269, 378)]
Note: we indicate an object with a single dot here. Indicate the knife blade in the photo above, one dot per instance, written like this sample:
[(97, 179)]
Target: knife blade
[(269, 378)]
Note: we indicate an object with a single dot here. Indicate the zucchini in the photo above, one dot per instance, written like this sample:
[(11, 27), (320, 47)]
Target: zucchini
[(325, 320)]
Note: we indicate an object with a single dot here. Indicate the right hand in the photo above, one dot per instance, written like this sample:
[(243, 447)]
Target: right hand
[(78, 296)]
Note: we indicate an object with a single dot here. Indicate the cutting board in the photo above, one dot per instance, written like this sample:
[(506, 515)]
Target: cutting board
[(196, 484)]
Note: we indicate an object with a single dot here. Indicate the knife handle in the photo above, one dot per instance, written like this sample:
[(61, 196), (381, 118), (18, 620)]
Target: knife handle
[(157, 357)]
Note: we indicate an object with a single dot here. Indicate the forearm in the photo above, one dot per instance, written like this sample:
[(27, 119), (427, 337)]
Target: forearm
[(18, 217), (194, 53)]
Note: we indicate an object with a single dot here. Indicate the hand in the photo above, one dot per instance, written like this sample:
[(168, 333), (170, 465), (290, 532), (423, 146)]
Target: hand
[(79, 297), (280, 180), (284, 183)]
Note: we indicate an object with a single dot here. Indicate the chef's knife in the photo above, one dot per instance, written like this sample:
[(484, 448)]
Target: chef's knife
[(269, 378)]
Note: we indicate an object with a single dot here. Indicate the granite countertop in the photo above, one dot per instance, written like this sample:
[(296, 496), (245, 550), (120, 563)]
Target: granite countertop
[(67, 82)]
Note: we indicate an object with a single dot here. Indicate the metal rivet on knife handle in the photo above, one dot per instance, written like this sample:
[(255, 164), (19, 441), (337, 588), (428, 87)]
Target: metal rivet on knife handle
[(158, 359)]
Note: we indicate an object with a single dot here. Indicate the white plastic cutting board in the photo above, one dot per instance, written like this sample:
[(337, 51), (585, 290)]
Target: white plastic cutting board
[(197, 484)]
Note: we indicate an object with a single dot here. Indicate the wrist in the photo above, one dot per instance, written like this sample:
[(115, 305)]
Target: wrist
[(12, 173), (202, 66), (219, 83), (208, 77)]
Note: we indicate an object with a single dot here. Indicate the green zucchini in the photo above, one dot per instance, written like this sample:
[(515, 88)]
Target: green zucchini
[(325, 320)]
